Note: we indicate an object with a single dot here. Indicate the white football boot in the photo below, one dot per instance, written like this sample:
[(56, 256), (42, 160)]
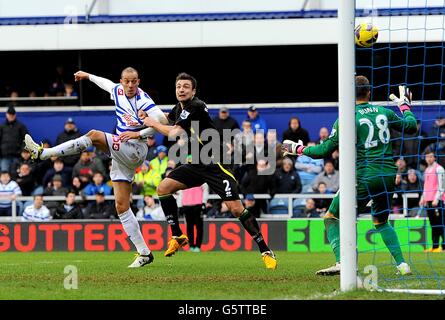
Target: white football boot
[(142, 260), (331, 271), (403, 269), (33, 147)]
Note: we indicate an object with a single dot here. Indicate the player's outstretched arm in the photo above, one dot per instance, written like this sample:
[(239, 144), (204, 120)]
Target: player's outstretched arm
[(103, 83)]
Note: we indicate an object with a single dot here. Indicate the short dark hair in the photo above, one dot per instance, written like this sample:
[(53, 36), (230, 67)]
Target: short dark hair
[(186, 76), (38, 195), (69, 192), (129, 70), (430, 151), (362, 87)]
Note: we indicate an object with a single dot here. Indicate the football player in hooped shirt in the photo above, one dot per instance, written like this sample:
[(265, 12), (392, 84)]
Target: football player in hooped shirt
[(218, 176), (127, 150)]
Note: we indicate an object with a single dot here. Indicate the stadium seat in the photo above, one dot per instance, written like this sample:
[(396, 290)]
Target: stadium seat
[(278, 206)]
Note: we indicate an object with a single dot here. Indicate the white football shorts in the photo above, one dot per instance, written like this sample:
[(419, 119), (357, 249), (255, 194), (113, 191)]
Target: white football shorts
[(126, 157)]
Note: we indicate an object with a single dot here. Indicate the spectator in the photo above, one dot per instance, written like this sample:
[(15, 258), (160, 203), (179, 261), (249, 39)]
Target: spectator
[(260, 147), (323, 134), (146, 181), (9, 190), (243, 142), (58, 168), (295, 132), (57, 87), (100, 209), (159, 164), (287, 179), (98, 185), (409, 144), (37, 211), (432, 200), (151, 142), (437, 131), (151, 210), (335, 159), (402, 169), (412, 185), (257, 183), (438, 148), (70, 209), (255, 119), (308, 169), (25, 180), (272, 142), (310, 211), (55, 189), (13, 96), (77, 186), (225, 122), (322, 204), (85, 167), (329, 176), (70, 132), (25, 157), (69, 91), (192, 204), (250, 204), (397, 202), (12, 134)]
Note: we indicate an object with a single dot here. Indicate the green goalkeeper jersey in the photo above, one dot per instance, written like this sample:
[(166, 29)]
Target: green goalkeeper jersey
[(374, 149)]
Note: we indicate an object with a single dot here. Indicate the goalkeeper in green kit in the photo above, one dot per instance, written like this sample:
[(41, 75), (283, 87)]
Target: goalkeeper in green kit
[(376, 170)]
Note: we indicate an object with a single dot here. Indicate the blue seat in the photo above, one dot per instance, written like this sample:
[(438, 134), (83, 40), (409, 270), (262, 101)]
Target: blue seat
[(278, 206)]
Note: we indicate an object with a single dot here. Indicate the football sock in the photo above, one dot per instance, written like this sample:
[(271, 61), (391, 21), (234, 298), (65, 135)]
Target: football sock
[(333, 232), (251, 225), (131, 227), (68, 148), (391, 241), (170, 208)]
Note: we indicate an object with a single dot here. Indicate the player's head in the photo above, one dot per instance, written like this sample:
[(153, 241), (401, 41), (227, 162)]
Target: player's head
[(130, 81), (185, 87), (362, 88), (430, 157)]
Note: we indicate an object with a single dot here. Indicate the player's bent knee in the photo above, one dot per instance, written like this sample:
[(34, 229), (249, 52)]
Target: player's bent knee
[(235, 207), (122, 207), (163, 189)]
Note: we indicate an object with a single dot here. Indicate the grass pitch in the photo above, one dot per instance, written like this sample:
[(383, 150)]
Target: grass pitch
[(201, 276)]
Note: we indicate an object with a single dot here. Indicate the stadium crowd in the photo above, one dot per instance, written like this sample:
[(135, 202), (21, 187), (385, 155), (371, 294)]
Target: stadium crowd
[(88, 173)]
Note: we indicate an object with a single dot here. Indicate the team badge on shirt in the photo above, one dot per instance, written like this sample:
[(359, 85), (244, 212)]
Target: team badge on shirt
[(184, 114)]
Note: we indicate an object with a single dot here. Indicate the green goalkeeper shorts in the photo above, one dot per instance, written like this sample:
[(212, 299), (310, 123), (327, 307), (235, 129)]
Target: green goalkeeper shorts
[(380, 190)]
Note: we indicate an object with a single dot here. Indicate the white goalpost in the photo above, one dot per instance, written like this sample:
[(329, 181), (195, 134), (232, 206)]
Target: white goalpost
[(347, 137)]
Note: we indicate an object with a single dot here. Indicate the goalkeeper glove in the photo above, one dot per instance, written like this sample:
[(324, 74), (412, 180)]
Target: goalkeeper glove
[(292, 148), (404, 101)]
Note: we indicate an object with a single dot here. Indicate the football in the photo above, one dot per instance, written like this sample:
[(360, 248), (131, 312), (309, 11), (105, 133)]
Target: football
[(366, 35)]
